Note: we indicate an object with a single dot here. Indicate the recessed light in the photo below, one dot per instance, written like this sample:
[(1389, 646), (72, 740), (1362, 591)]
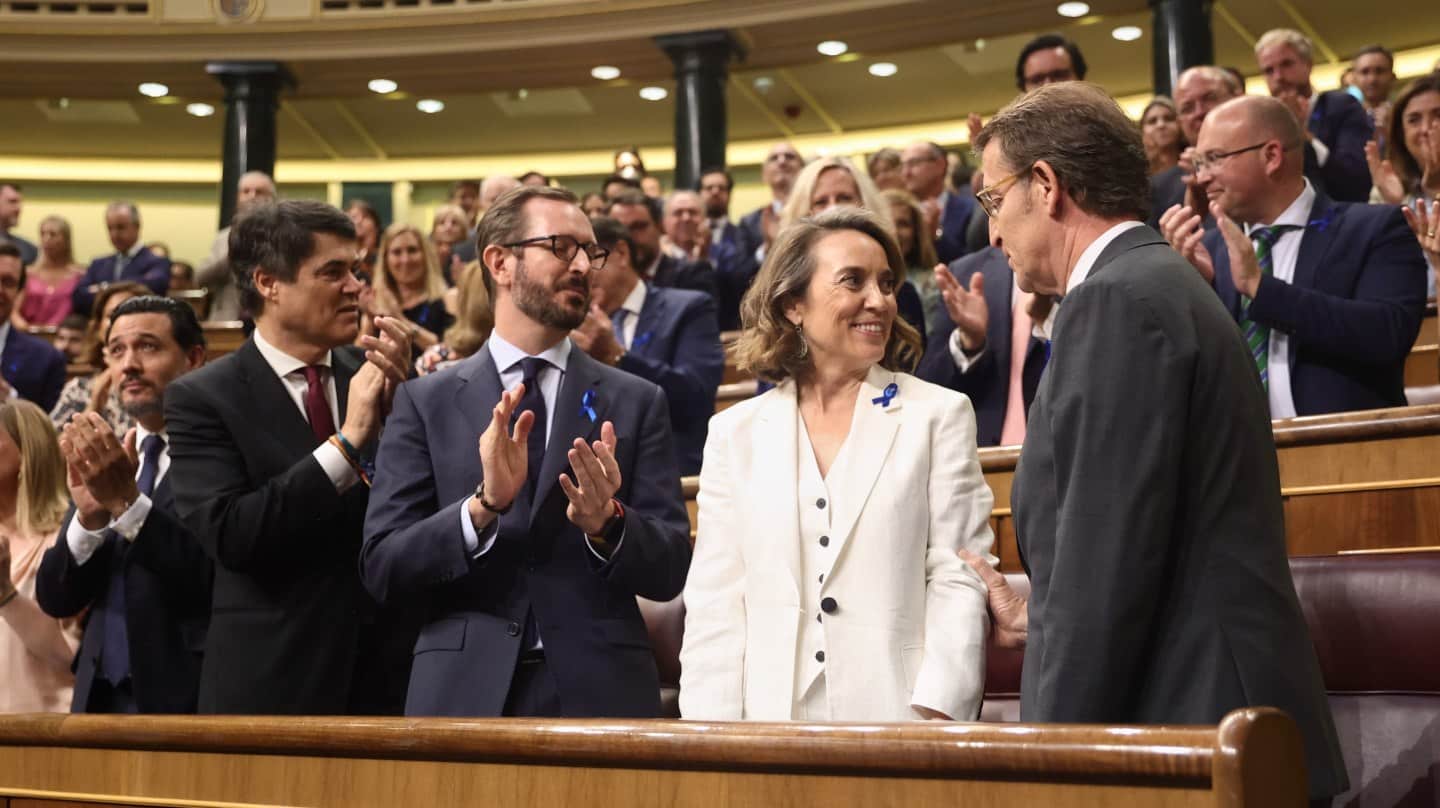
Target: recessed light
[(1126, 33), (1073, 9), (654, 93), (154, 89), (605, 72), (832, 47), (763, 84), (884, 69), (382, 86), (430, 106), (200, 110)]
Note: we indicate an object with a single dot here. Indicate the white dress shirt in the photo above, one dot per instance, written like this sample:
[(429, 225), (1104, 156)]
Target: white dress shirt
[(83, 543), (1086, 262), (292, 374), (1283, 257), (634, 302)]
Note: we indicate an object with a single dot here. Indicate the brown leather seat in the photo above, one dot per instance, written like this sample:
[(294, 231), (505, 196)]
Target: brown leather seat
[(665, 623)]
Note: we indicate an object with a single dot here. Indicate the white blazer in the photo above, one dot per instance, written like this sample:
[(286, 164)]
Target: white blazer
[(912, 625)]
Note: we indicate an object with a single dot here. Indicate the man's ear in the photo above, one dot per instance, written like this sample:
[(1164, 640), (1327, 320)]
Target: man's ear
[(493, 258), (1044, 176), (195, 357), (265, 283)]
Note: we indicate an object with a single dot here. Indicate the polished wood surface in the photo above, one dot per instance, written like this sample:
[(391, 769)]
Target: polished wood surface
[(136, 760), (731, 394)]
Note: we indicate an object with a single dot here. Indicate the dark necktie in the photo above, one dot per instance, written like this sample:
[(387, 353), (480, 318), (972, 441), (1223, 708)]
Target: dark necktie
[(317, 406), (121, 259), (115, 652), (1257, 336), (534, 401), (618, 321)]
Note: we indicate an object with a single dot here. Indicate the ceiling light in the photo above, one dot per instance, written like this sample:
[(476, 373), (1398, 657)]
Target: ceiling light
[(884, 69), (654, 93), (382, 86), (430, 106), (1073, 9), (1126, 33), (605, 72), (154, 89), (763, 84), (200, 110), (832, 47)]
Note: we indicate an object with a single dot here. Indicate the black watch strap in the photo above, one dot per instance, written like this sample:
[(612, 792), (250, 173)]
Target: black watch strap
[(480, 495)]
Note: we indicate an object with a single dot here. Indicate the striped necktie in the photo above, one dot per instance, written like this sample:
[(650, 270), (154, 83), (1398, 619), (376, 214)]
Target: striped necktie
[(1257, 336)]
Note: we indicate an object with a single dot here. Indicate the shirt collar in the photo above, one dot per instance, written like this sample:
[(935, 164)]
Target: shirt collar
[(4, 335), (1296, 214), (635, 301), (134, 250), (282, 363), (1091, 253), (654, 265), (141, 433), (506, 355)]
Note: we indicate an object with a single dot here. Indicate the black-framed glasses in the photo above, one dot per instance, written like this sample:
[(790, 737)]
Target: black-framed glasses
[(566, 248), (987, 195)]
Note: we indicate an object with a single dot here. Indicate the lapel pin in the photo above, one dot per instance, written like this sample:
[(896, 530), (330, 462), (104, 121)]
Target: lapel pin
[(891, 391), (642, 339), (587, 405)]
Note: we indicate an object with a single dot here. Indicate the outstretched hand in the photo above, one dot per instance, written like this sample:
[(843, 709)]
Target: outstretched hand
[(597, 478), (504, 452)]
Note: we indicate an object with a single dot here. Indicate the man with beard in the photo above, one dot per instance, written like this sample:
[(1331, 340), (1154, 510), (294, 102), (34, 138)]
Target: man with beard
[(124, 554), (528, 552), (639, 215)]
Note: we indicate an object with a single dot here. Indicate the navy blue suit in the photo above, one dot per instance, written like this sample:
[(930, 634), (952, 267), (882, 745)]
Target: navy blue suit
[(28, 252), (677, 346), (753, 227), (951, 244), (33, 367), (698, 276), (595, 641), (1167, 189), (167, 607), (735, 267), (146, 267), (988, 381), (1352, 311), (1340, 122)]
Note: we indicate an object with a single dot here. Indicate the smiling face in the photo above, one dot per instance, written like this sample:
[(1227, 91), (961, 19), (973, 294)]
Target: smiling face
[(1421, 120), (1285, 70), (849, 305), (834, 188), (1195, 95), (405, 260)]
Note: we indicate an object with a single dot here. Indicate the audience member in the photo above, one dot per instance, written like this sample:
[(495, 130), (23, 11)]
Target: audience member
[(730, 249), (182, 276), (50, 281), (628, 163), (534, 178), (782, 166), (274, 492), (98, 392), (1335, 124), (368, 228), (1159, 595), (667, 336), (495, 187), (833, 182), (30, 368), (1197, 91), (130, 261), (885, 169), (917, 248), (650, 184), (1328, 295), (1374, 67), (408, 287), (639, 215), (474, 319), (593, 204), (70, 337), (685, 234), (253, 188), (159, 248), (448, 229), (616, 184), (465, 195), (1424, 220), (905, 492), (538, 579), (946, 213), (35, 649), (11, 201), (1047, 59), (1160, 132), (125, 561), (1411, 168)]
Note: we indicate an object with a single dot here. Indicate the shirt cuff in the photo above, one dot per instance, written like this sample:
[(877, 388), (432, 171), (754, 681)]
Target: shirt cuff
[(128, 524), (83, 543), (474, 545), (613, 550), (1322, 152), (963, 363), (336, 467)]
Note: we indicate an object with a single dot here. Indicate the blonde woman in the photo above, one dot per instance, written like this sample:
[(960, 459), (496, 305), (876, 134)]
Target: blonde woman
[(35, 649), (917, 247), (449, 227), (408, 285), (49, 281), (472, 327)]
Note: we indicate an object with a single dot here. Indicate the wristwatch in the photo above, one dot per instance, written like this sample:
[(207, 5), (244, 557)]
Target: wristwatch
[(480, 497)]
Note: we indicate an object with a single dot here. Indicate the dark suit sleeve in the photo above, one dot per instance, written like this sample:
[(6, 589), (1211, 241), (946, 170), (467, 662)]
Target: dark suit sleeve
[(1378, 324), (256, 531), (691, 379), (82, 299), (65, 588), (701, 277), (908, 303), (167, 548), (157, 276), (1114, 373), (1345, 173), (53, 380)]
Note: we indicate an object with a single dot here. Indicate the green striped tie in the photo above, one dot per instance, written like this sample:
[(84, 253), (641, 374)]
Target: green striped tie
[(1257, 336)]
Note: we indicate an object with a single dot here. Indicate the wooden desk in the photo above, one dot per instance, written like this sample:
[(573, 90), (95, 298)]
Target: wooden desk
[(223, 337), (1253, 758)]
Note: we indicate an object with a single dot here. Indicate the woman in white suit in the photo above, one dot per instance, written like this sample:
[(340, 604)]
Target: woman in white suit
[(825, 584)]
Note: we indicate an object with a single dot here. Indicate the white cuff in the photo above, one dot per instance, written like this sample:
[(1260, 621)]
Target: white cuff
[(336, 467), (591, 545), (963, 363), (473, 545), (1322, 152), (128, 524), (83, 543)]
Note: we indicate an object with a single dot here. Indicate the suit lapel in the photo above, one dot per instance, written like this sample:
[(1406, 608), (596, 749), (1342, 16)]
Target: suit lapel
[(1314, 244), (872, 432), (569, 422), (260, 385), (776, 479), (647, 323)]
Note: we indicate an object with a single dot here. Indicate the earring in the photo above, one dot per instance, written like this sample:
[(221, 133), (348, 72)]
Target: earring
[(804, 346)]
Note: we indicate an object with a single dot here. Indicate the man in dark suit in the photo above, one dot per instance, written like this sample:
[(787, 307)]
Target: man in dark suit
[(30, 367), (1147, 495), (11, 201), (124, 558), (274, 492), (131, 261), (978, 357), (782, 165), (1329, 294), (637, 212), (1336, 124), (924, 166), (529, 574), (1197, 91), (666, 336), (730, 248)]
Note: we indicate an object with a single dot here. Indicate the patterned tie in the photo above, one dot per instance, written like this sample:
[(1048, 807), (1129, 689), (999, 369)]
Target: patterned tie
[(618, 321), (1257, 336), (317, 406), (115, 651)]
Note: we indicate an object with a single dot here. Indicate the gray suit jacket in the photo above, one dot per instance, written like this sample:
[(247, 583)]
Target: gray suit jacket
[(1148, 516)]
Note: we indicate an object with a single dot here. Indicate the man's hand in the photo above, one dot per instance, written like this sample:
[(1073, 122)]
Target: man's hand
[(1383, 176), (1195, 196), (967, 309), (504, 453), (363, 405), (973, 124), (596, 336), (1010, 612), (1244, 265), (1183, 228), (597, 478), (390, 352), (88, 512), (1299, 106), (104, 465)]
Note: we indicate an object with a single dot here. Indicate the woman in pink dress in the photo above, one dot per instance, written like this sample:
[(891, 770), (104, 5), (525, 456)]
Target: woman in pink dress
[(51, 279)]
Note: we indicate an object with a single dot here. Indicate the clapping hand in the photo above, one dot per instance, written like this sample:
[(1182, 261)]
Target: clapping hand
[(1244, 264), (597, 478), (1383, 176), (1184, 228), (967, 308), (596, 336), (1424, 220), (102, 464), (504, 451)]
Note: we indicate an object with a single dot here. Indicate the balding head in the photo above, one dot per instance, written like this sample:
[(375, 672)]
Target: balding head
[(254, 188), (1199, 90), (1252, 157), (1266, 119), (495, 187)]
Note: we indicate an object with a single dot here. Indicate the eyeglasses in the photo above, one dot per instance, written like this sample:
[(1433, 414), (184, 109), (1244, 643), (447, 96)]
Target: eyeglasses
[(1209, 161), (566, 248), (987, 198), (1053, 77)]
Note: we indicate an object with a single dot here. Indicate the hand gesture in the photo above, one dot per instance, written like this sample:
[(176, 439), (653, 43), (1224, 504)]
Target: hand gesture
[(967, 309), (1383, 176), (1009, 611), (390, 352), (1424, 220), (930, 211), (1184, 228), (597, 478), (974, 124), (7, 585), (1195, 197), (90, 513), (504, 453), (100, 385), (1427, 155), (596, 336), (1244, 265), (104, 465), (363, 403), (1299, 106)]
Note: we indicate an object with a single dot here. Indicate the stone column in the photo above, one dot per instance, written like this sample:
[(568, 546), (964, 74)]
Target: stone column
[(252, 97), (702, 60), (1183, 38)]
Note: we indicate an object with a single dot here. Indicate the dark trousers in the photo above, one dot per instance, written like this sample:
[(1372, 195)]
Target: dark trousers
[(108, 698), (532, 690)]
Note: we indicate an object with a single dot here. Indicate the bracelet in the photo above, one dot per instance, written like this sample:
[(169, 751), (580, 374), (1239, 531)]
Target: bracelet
[(617, 517), (6, 600), (480, 497), (347, 451)]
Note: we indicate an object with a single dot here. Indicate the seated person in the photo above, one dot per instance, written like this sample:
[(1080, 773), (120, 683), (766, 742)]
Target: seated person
[(30, 367)]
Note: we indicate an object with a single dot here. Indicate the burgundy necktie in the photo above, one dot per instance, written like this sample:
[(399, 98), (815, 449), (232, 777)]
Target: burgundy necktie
[(317, 407)]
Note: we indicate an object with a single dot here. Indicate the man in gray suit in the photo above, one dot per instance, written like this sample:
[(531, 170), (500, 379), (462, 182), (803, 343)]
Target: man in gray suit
[(1147, 496)]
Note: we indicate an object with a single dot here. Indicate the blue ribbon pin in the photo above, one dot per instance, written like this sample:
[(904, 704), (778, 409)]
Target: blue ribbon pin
[(642, 339), (587, 405), (891, 391)]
